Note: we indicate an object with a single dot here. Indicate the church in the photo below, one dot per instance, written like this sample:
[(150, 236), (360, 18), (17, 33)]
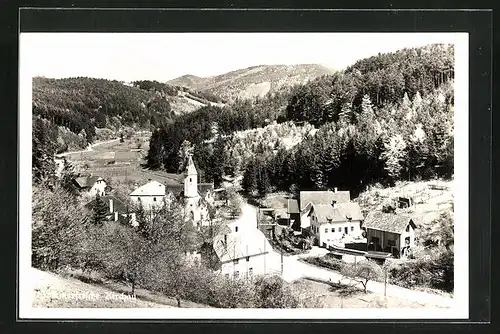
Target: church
[(196, 196)]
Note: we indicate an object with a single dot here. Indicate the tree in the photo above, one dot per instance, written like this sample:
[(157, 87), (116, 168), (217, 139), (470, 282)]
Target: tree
[(394, 155), (127, 255), (362, 272), (100, 210), (57, 223), (68, 176), (273, 292), (234, 201), (184, 150)]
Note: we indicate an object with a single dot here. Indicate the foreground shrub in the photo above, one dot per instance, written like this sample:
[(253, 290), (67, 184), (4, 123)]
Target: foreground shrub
[(434, 271)]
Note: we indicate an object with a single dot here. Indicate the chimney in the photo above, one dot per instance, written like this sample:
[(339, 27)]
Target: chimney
[(111, 205), (335, 189), (333, 203)]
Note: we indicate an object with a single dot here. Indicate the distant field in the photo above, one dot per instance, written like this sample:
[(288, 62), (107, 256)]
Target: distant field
[(121, 162)]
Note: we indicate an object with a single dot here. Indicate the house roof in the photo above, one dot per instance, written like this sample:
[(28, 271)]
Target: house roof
[(87, 181), (338, 213), (241, 244), (293, 206), (389, 222), (152, 188), (323, 197)]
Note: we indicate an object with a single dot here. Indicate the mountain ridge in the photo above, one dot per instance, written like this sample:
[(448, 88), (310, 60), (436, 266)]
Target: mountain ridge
[(252, 81)]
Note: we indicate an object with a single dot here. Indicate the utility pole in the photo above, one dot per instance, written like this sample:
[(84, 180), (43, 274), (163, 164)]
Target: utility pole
[(281, 247), (385, 282)]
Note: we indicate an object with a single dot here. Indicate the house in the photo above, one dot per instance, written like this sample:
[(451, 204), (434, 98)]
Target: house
[(390, 233), (116, 209), (91, 185), (197, 197), (241, 251), (151, 195), (299, 211), (335, 223)]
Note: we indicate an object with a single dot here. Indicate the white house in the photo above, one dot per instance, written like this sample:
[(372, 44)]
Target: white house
[(197, 197), (241, 251), (150, 196), (91, 185), (335, 223), (309, 198)]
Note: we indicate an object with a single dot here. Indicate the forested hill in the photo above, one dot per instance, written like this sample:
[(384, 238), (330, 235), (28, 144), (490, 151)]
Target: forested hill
[(252, 81), (382, 119)]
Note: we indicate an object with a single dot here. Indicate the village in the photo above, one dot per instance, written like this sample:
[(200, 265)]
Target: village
[(281, 235)]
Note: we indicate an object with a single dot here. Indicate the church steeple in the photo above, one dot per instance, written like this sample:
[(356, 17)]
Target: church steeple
[(191, 180)]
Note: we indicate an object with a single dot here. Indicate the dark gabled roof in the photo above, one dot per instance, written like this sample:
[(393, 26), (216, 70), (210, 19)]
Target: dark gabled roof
[(388, 222), (86, 181), (293, 206), (204, 188), (338, 213), (323, 197)]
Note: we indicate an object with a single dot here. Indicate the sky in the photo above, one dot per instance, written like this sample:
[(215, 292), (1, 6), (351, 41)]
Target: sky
[(165, 56)]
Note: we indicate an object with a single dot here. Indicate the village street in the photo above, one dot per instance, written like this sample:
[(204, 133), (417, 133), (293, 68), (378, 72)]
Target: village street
[(294, 269)]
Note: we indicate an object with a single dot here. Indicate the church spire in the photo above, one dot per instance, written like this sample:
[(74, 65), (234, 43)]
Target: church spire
[(191, 169), (191, 180)]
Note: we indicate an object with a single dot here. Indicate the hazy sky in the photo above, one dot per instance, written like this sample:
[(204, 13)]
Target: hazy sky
[(164, 56)]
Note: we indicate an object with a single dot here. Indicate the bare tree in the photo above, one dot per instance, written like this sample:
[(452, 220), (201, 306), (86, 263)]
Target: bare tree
[(362, 272)]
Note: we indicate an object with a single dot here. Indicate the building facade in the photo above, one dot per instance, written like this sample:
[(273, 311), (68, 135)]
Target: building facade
[(390, 233), (335, 223)]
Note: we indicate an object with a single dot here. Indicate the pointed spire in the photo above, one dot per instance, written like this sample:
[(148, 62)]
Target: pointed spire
[(191, 169)]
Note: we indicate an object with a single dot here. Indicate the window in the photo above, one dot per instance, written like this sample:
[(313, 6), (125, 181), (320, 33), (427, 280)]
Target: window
[(326, 230), (235, 261), (138, 199), (250, 271), (408, 228), (352, 228), (248, 258), (236, 229), (340, 229), (236, 274), (391, 243), (190, 179), (375, 240), (154, 199), (227, 275), (333, 229)]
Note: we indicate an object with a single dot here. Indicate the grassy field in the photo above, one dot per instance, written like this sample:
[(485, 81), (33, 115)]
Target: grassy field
[(121, 162), (341, 296), (53, 291)]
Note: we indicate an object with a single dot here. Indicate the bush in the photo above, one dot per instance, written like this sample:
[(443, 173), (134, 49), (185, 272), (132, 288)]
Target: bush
[(435, 271)]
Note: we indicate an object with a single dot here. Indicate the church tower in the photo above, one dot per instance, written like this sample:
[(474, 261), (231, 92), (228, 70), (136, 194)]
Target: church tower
[(191, 180)]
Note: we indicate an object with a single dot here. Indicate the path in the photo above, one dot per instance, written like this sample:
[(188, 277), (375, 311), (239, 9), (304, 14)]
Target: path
[(89, 148), (294, 269)]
